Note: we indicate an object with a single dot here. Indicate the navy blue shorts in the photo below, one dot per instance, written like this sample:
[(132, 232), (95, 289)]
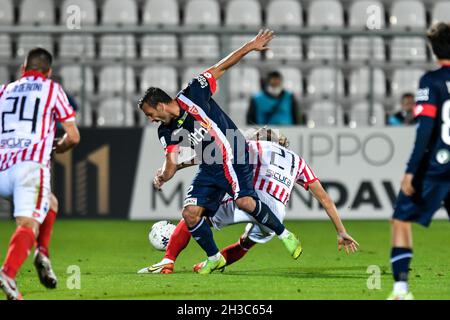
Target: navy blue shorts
[(423, 204), (211, 184)]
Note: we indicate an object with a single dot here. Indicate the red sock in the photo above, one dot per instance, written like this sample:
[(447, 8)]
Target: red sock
[(178, 241), (45, 233), (20, 246), (235, 251)]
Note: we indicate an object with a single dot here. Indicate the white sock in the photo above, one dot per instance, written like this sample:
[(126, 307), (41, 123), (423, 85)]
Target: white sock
[(284, 234), (401, 287), (166, 260), (215, 257)]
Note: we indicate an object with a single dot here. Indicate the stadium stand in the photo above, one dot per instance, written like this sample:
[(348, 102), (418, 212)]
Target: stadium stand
[(34, 12), (88, 11), (6, 12)]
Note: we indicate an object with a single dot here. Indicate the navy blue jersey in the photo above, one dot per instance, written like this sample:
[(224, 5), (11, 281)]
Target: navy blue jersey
[(430, 158)]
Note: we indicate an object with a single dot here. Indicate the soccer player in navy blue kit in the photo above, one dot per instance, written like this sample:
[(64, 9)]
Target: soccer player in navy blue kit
[(194, 119), (426, 183)]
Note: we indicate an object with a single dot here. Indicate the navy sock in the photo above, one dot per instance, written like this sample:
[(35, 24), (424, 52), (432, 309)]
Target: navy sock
[(203, 235), (265, 216), (400, 260)]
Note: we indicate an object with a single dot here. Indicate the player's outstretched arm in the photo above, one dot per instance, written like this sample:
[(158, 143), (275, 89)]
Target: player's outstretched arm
[(70, 139), (344, 239), (167, 171), (258, 43)]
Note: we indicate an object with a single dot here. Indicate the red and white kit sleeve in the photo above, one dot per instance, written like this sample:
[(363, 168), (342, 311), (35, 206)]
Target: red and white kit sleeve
[(63, 109), (305, 175)]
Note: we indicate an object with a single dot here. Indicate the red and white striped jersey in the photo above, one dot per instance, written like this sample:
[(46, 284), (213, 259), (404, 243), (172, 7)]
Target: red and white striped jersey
[(278, 169), (29, 110)]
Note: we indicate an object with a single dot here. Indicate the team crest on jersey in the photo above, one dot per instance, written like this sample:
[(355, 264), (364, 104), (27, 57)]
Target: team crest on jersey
[(443, 156), (193, 110)]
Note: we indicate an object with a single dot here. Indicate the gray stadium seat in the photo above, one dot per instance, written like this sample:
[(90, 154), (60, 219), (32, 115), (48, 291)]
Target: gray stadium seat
[(73, 79), (406, 80), (237, 41), (325, 48), (238, 111), (113, 113), (201, 47), (285, 47), (360, 115), (37, 12), (27, 42), (88, 10), (5, 46), (116, 78), (243, 13), (322, 114), (408, 49), (359, 13), (122, 12), (159, 46), (292, 80), (76, 46), (190, 73), (202, 12), (359, 48), (359, 83), (117, 46), (408, 13), (4, 75), (441, 12), (6, 12), (325, 13), (161, 12), (321, 82), (84, 116), (244, 81), (284, 13), (163, 77)]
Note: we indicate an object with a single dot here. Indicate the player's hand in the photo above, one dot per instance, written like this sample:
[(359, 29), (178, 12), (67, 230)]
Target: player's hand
[(407, 186), (346, 241), (158, 180), (58, 144), (259, 43)]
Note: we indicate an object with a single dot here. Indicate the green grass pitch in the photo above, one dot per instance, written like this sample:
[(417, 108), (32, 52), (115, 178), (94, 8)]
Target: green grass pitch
[(109, 253)]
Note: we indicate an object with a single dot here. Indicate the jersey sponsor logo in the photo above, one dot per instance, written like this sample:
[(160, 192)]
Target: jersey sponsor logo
[(423, 94), (202, 80), (197, 136), (190, 202), (443, 156), (278, 177), (14, 143)]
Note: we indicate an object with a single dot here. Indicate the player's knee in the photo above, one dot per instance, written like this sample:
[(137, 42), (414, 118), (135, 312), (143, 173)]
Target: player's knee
[(192, 215), (246, 204), (28, 223), (54, 204)]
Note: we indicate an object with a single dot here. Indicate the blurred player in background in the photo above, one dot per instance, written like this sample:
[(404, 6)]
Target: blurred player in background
[(426, 183), (194, 114), (30, 108), (275, 174)]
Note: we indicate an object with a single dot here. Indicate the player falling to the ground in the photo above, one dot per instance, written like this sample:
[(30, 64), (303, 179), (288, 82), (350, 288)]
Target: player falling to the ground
[(224, 166), (426, 183), (277, 170), (30, 108)]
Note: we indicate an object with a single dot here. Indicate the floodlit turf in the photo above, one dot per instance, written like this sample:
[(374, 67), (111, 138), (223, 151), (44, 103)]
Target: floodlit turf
[(109, 254)]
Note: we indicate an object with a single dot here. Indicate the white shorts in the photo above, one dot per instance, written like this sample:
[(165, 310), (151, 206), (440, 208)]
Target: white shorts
[(229, 214), (28, 185)]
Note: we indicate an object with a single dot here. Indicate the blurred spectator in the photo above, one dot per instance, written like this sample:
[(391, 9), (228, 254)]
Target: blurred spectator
[(405, 116), (273, 105)]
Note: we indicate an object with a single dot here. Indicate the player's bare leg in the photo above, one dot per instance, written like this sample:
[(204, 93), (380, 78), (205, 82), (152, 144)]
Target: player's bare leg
[(20, 246), (401, 256), (42, 255)]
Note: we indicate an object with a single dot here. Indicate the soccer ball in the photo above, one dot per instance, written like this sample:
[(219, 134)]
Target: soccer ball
[(160, 234)]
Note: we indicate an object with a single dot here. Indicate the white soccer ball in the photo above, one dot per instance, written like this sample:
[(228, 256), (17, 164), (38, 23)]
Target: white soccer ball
[(160, 234)]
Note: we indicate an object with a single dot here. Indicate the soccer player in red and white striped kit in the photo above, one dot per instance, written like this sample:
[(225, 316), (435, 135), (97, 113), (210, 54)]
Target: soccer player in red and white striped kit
[(30, 108)]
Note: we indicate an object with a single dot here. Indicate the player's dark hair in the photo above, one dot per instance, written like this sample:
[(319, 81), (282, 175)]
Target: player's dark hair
[(439, 37), (38, 59), (274, 74), (153, 96), (407, 95)]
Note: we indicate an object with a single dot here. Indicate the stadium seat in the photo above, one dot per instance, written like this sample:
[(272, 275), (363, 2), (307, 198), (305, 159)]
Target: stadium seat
[(161, 12), (325, 13), (115, 78), (237, 41), (285, 48), (408, 49), (159, 46), (73, 79), (84, 116), (6, 12), (359, 15), (405, 81), (202, 12), (238, 110), (359, 49), (4, 75), (113, 113), (284, 13), (321, 82), (122, 12), (190, 73), (243, 13), (359, 83), (244, 81), (292, 79), (407, 14), (323, 114), (163, 77), (117, 46), (88, 10), (360, 115), (34, 12), (441, 12), (201, 47), (27, 42), (324, 48), (76, 46), (5, 46)]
